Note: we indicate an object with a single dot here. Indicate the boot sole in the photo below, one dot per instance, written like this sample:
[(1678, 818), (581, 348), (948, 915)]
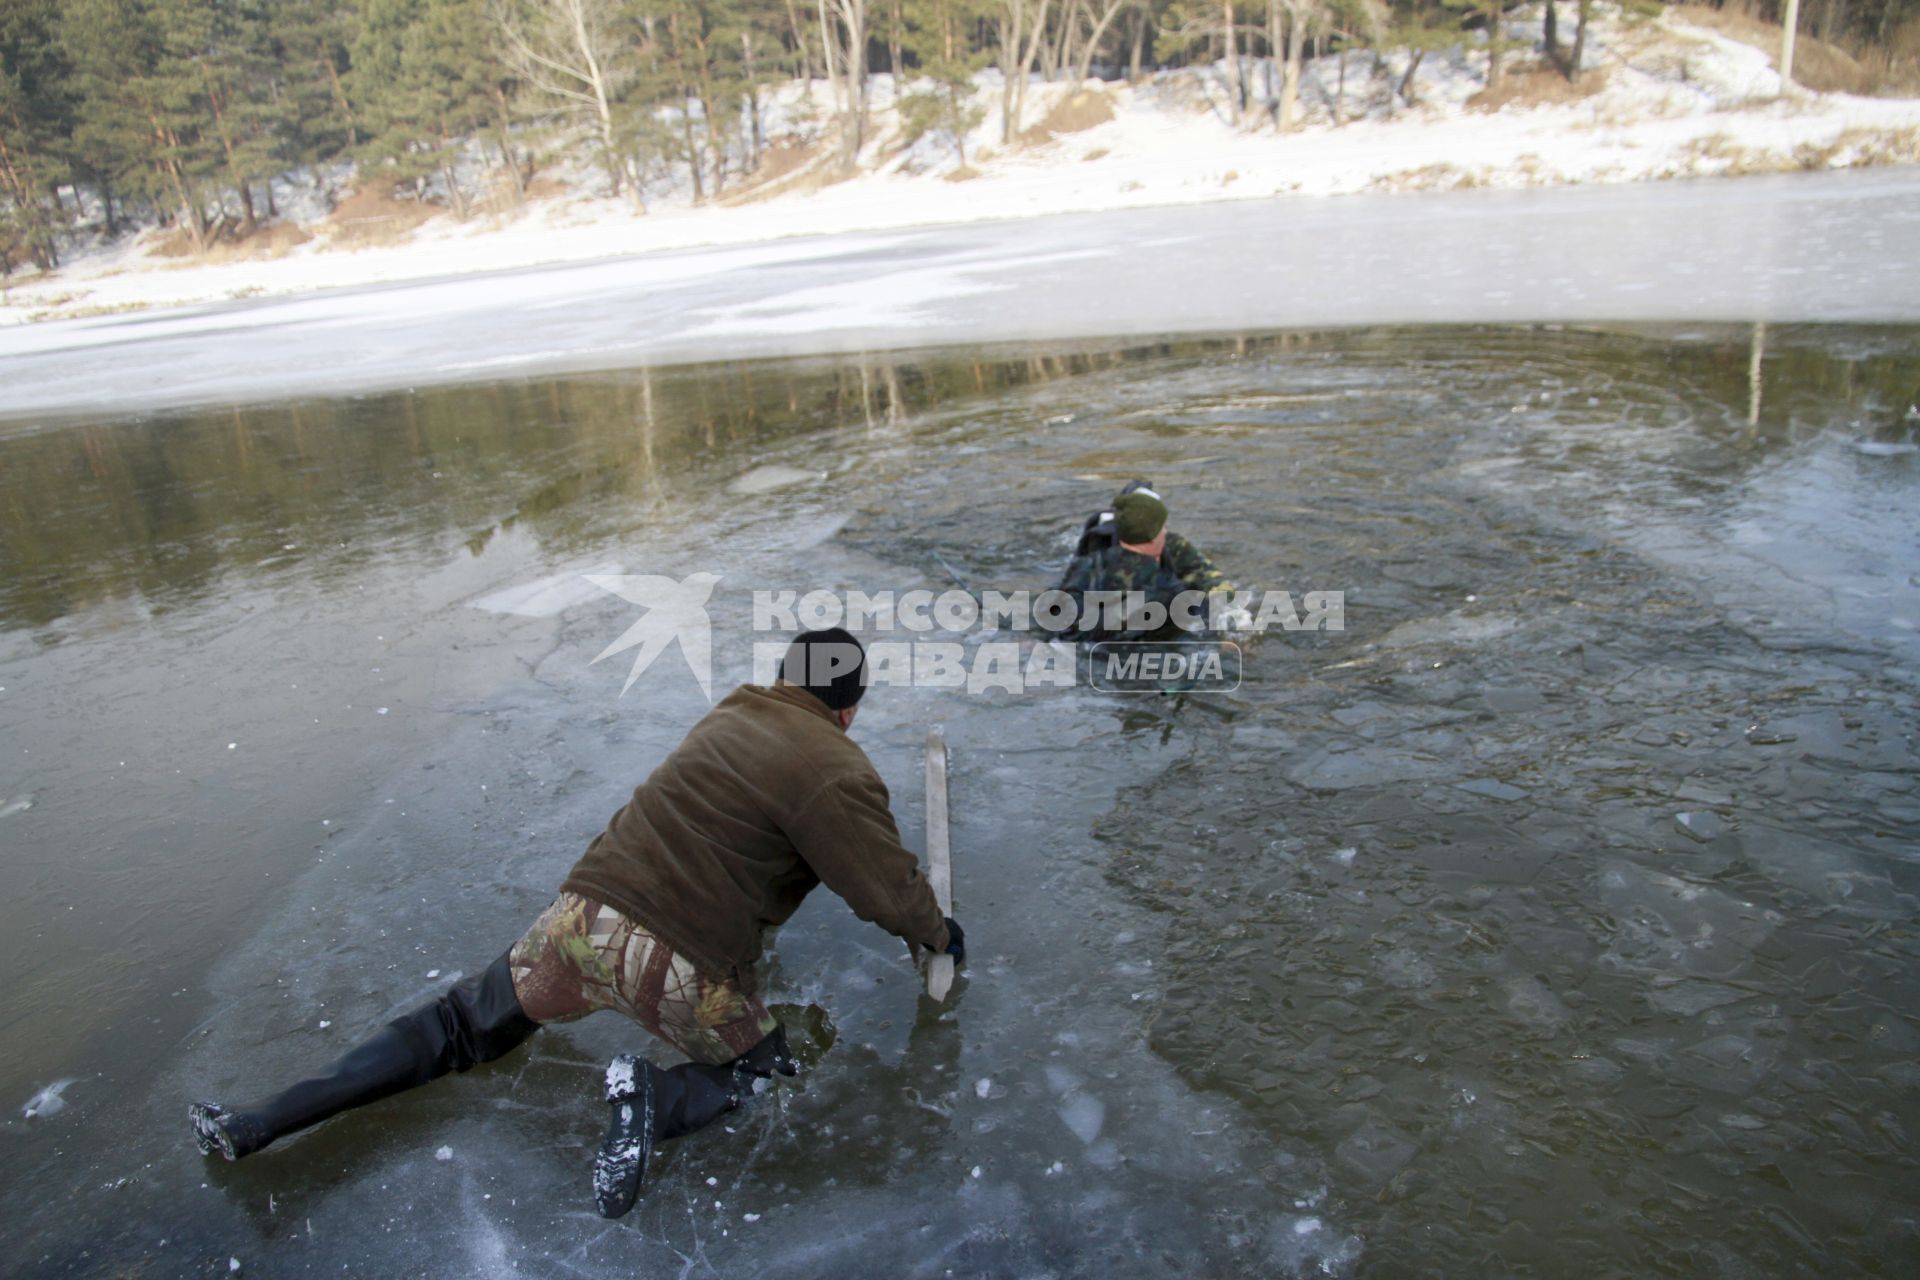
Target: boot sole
[(620, 1166), (208, 1134)]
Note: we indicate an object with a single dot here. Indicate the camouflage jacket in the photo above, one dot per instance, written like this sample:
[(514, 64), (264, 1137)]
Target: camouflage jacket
[(1181, 567), (1089, 570), (1191, 566)]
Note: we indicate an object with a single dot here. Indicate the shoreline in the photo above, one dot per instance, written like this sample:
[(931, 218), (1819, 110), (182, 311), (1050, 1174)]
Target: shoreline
[(1675, 102)]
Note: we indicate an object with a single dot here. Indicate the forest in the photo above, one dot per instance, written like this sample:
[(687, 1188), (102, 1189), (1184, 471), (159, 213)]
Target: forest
[(122, 113)]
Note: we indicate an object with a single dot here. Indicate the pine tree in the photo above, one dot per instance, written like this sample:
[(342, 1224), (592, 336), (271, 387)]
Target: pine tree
[(36, 116), (421, 80), (108, 44), (937, 40), (307, 110)]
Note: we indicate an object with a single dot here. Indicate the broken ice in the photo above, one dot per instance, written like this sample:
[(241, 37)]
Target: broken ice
[(49, 1101)]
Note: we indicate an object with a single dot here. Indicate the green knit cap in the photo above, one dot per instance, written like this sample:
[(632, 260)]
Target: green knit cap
[(1138, 517)]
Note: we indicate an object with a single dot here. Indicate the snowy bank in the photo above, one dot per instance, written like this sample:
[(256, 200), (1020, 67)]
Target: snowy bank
[(1662, 99)]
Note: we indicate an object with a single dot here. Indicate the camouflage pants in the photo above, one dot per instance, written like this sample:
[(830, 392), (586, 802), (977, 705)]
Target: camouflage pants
[(581, 956)]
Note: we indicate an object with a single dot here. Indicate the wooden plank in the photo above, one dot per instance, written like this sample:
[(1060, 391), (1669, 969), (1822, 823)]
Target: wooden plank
[(939, 857)]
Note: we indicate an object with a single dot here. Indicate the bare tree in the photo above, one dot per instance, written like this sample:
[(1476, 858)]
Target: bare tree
[(1367, 19), (1023, 29), (843, 35), (1099, 18), (1204, 22), (1303, 17), (566, 50), (1789, 23)]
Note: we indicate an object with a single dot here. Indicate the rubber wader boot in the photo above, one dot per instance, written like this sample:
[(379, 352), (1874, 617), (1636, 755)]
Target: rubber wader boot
[(651, 1105), (478, 1020)]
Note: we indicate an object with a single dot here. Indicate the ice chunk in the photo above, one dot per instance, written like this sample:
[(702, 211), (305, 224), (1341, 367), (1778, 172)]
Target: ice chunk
[(1531, 1002), (1406, 969), (48, 1102), (1492, 788), (444, 1153), (546, 597), (1085, 1115), (768, 478), (982, 1088), (1701, 826), (1375, 1152)]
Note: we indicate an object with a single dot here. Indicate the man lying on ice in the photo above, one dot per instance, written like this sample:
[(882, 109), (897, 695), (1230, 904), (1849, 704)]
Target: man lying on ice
[(663, 919)]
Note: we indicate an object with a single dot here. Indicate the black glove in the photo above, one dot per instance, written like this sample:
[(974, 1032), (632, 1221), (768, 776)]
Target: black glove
[(956, 941)]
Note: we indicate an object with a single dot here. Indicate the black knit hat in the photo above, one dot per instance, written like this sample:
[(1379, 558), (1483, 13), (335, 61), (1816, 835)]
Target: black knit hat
[(829, 664)]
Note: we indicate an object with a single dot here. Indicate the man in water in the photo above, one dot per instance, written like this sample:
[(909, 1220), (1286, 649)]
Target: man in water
[(1129, 549), (1101, 534), (663, 919)]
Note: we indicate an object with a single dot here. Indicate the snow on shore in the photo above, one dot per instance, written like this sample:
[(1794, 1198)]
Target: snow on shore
[(1672, 100)]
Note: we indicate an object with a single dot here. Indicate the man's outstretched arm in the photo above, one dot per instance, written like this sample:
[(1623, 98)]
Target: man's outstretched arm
[(847, 835), (1193, 567)]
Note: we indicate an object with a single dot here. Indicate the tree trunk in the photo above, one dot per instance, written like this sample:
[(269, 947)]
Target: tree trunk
[(226, 145), (894, 23), (170, 170), (1290, 83), (340, 95), (754, 142), (1788, 27), (1406, 82), (1233, 65), (1139, 45), (597, 82), (1273, 62), (454, 194), (1093, 41), (1550, 37), (1493, 47), (800, 44), (709, 109), (1579, 39), (1013, 13), (829, 50), (20, 183), (1340, 89), (503, 139), (693, 148), (959, 134)]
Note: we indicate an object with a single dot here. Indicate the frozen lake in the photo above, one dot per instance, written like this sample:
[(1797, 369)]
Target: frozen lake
[(1827, 247), (1559, 912)]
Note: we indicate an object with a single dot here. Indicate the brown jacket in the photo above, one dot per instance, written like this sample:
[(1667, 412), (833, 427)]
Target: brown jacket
[(766, 797)]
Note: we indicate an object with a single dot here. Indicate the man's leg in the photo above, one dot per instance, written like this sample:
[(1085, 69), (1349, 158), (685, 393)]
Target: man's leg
[(478, 1020), (732, 1038)]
